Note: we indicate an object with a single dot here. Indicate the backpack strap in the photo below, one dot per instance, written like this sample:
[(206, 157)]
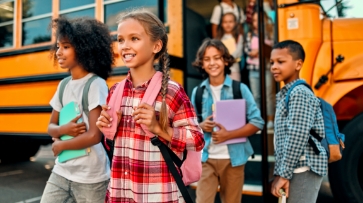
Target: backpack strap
[(312, 132), (239, 14), (220, 19), (198, 102), (299, 82), (85, 102), (236, 88), (62, 86)]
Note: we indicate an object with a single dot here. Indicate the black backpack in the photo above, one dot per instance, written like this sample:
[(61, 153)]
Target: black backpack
[(236, 88)]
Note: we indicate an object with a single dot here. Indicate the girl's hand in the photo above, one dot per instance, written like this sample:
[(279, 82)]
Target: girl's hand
[(145, 114), (73, 128), (207, 125), (221, 135), (104, 121), (57, 146)]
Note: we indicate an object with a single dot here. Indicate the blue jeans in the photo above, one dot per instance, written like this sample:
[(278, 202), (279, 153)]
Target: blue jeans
[(62, 190)]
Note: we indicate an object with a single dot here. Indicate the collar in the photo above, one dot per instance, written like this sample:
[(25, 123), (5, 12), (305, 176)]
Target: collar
[(227, 82), (288, 86), (129, 82)]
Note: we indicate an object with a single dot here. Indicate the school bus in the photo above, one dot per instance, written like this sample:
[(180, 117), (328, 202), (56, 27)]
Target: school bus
[(330, 31)]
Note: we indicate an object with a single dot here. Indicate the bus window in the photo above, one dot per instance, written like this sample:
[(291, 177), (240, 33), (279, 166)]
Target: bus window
[(6, 24), (346, 9), (36, 14), (113, 10), (74, 9)]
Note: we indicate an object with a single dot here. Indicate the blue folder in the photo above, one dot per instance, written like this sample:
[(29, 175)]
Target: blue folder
[(69, 112)]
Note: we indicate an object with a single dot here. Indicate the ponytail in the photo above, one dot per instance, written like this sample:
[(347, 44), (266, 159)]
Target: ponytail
[(164, 120)]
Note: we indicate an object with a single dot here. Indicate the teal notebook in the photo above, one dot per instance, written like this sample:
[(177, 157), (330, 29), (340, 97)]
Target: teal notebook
[(69, 112)]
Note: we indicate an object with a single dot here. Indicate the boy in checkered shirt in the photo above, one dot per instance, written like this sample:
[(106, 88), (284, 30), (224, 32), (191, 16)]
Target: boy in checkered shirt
[(298, 170)]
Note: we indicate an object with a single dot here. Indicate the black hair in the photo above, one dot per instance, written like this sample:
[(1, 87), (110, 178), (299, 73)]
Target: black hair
[(227, 57), (295, 49), (91, 40)]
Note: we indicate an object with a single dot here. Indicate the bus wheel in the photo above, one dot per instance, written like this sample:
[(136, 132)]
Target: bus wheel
[(346, 175)]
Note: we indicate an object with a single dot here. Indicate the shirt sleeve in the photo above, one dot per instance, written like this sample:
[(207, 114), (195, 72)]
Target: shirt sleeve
[(254, 43), (253, 113), (239, 47), (186, 131), (300, 120), (54, 102), (216, 15), (98, 93)]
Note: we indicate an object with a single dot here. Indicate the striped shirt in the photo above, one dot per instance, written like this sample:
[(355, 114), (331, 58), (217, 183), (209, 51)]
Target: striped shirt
[(292, 132), (139, 172)]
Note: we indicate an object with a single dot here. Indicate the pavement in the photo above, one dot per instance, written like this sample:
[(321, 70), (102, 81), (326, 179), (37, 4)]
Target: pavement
[(24, 182)]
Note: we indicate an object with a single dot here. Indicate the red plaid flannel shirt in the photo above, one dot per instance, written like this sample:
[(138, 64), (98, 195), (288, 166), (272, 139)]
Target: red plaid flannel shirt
[(139, 172)]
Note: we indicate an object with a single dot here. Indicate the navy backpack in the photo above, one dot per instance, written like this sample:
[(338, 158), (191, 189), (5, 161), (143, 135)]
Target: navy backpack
[(334, 140)]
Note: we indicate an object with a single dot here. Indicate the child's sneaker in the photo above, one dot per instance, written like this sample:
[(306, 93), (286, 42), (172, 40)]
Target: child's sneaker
[(270, 125)]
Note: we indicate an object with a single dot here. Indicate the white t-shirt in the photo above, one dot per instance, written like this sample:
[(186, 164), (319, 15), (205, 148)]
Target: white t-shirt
[(93, 168), (216, 15), (219, 151)]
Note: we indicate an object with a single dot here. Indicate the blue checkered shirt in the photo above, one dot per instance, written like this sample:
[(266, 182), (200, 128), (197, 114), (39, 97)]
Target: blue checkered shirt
[(292, 132)]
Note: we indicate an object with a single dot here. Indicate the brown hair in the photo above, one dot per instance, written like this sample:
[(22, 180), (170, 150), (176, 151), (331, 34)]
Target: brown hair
[(156, 30), (227, 57), (235, 31)]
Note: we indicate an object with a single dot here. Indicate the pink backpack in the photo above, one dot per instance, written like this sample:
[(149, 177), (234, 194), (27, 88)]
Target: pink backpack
[(191, 167)]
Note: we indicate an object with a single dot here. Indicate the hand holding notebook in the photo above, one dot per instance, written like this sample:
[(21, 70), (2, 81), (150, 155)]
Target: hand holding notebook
[(232, 115), (67, 114)]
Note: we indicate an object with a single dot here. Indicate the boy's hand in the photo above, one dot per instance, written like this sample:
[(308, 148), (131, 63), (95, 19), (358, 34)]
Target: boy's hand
[(73, 128), (279, 183), (57, 146), (207, 125), (145, 114), (105, 119), (221, 135)]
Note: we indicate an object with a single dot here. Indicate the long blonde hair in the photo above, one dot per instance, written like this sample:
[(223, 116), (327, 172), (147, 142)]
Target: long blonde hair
[(156, 30)]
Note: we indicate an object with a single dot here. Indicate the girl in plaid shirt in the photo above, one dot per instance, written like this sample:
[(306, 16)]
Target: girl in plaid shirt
[(139, 172)]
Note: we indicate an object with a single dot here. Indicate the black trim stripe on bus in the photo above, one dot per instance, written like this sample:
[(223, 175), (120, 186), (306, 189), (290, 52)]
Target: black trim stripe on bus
[(175, 62), (26, 51), (37, 136), (26, 109)]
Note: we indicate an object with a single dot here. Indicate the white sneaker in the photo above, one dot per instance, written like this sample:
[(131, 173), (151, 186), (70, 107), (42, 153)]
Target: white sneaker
[(270, 125)]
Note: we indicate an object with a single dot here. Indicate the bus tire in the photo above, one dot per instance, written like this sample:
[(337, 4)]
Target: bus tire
[(346, 175)]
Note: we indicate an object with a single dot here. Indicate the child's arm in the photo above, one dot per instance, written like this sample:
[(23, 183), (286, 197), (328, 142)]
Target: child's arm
[(301, 118), (72, 128), (255, 122), (87, 139), (254, 47)]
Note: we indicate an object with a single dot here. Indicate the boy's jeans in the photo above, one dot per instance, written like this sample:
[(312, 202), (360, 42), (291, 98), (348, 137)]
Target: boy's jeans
[(62, 190), (254, 76)]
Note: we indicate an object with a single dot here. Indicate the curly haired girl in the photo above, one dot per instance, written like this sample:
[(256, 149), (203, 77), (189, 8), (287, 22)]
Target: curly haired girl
[(139, 172), (84, 47)]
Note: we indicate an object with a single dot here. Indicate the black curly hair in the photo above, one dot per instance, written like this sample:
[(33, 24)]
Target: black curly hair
[(91, 40), (227, 57)]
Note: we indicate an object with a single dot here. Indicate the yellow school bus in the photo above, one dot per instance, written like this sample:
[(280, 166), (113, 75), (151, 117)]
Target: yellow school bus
[(331, 32)]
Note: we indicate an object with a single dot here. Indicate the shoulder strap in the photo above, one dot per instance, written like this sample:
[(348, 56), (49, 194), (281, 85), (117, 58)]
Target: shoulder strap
[(85, 102), (63, 85), (239, 14), (299, 82), (236, 88), (198, 101), (220, 19)]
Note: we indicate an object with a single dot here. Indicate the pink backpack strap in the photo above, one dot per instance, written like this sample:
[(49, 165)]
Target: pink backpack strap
[(115, 103), (150, 95)]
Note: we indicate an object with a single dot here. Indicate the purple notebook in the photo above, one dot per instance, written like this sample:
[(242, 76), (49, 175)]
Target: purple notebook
[(232, 115)]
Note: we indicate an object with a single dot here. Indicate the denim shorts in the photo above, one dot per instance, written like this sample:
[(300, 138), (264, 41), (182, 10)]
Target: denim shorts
[(62, 190)]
